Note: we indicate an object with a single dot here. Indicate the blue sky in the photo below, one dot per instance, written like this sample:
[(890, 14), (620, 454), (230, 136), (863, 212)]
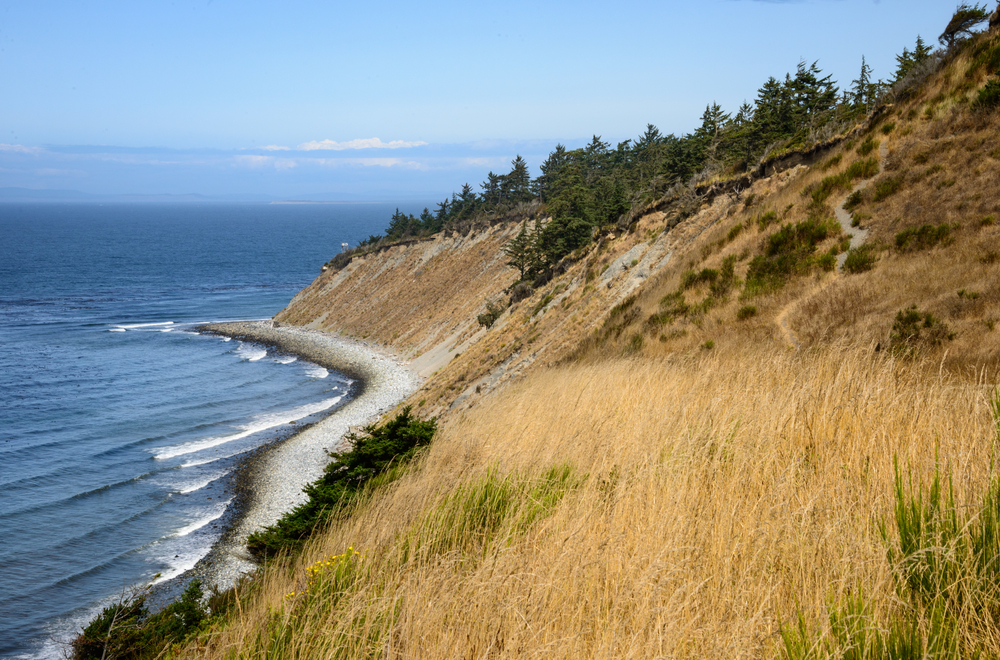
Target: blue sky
[(387, 100)]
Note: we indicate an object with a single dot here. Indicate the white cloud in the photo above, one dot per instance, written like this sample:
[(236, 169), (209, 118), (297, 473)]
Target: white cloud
[(21, 149), (252, 161), (263, 161), (370, 162), (366, 143), (275, 147)]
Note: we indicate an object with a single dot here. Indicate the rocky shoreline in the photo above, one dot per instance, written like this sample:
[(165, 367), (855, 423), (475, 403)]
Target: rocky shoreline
[(269, 481)]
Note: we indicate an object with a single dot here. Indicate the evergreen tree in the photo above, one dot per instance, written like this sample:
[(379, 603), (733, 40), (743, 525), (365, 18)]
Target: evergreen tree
[(960, 26), (518, 182), (520, 251), (550, 167), (863, 89)]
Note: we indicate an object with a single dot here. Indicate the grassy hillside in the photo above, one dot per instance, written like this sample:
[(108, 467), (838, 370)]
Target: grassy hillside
[(703, 437)]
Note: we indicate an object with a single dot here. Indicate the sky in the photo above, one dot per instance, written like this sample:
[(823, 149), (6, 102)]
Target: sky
[(388, 100)]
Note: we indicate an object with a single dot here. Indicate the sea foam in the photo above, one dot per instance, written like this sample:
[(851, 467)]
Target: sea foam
[(258, 424)]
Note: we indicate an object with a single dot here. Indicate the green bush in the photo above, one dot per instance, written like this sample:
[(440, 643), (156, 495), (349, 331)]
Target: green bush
[(127, 630), (490, 316), (923, 237), (989, 96), (789, 251), (868, 146), (765, 219), (375, 458), (913, 328), (861, 259), (887, 187), (854, 200), (692, 279), (746, 311)]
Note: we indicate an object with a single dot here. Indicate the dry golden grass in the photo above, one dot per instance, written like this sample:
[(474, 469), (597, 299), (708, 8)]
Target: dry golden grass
[(715, 494), (712, 500)]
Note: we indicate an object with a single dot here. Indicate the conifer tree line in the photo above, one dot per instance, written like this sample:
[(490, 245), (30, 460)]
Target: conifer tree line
[(590, 188)]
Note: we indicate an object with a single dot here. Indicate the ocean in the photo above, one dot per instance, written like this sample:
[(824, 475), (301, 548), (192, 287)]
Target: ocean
[(118, 423)]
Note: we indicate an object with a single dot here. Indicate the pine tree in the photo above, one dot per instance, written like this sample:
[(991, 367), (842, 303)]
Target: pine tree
[(965, 18), (862, 89), (520, 251)]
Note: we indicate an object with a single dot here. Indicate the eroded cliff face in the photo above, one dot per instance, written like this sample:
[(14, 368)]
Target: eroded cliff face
[(416, 298), (422, 300)]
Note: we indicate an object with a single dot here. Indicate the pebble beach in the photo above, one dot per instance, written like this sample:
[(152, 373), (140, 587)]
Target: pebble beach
[(270, 481)]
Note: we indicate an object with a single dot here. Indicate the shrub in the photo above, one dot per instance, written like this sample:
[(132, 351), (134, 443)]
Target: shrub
[(886, 187), (922, 237), (490, 316), (377, 457), (862, 169), (746, 311), (727, 277), (708, 345), (860, 259), (832, 162), (988, 221), (913, 328), (127, 629), (788, 251), (888, 128), (765, 219), (989, 96), (523, 290), (854, 200), (868, 146), (692, 279), (734, 232)]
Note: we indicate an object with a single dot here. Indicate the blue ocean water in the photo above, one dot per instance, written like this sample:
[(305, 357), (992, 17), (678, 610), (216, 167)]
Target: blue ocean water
[(118, 423)]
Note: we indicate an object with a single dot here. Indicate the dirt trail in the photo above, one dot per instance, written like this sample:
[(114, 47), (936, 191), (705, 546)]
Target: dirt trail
[(858, 237)]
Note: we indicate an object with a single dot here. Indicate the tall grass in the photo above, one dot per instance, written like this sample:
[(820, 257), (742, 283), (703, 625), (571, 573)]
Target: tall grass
[(693, 507)]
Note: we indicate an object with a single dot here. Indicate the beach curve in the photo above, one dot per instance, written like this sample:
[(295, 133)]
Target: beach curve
[(271, 481)]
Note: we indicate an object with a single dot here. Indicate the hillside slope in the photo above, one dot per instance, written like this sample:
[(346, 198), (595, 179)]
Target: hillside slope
[(703, 437)]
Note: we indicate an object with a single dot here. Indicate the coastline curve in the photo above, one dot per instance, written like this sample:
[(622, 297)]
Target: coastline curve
[(271, 481)]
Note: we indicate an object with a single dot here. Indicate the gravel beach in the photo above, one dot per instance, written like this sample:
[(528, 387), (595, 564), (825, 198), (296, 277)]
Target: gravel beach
[(270, 481)]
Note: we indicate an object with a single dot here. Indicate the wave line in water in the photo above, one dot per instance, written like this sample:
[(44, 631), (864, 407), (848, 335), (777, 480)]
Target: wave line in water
[(198, 524), (262, 423)]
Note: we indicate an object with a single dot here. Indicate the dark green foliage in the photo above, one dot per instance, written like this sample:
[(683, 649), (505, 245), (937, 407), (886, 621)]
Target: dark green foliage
[(853, 201), (989, 96), (985, 56), (861, 259), (887, 187), (127, 629), (908, 61), (376, 457), (746, 311), (789, 251), (966, 17), (913, 328), (492, 313), (766, 219), (948, 556), (923, 237), (692, 279), (734, 232), (591, 190), (860, 169), (868, 146)]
